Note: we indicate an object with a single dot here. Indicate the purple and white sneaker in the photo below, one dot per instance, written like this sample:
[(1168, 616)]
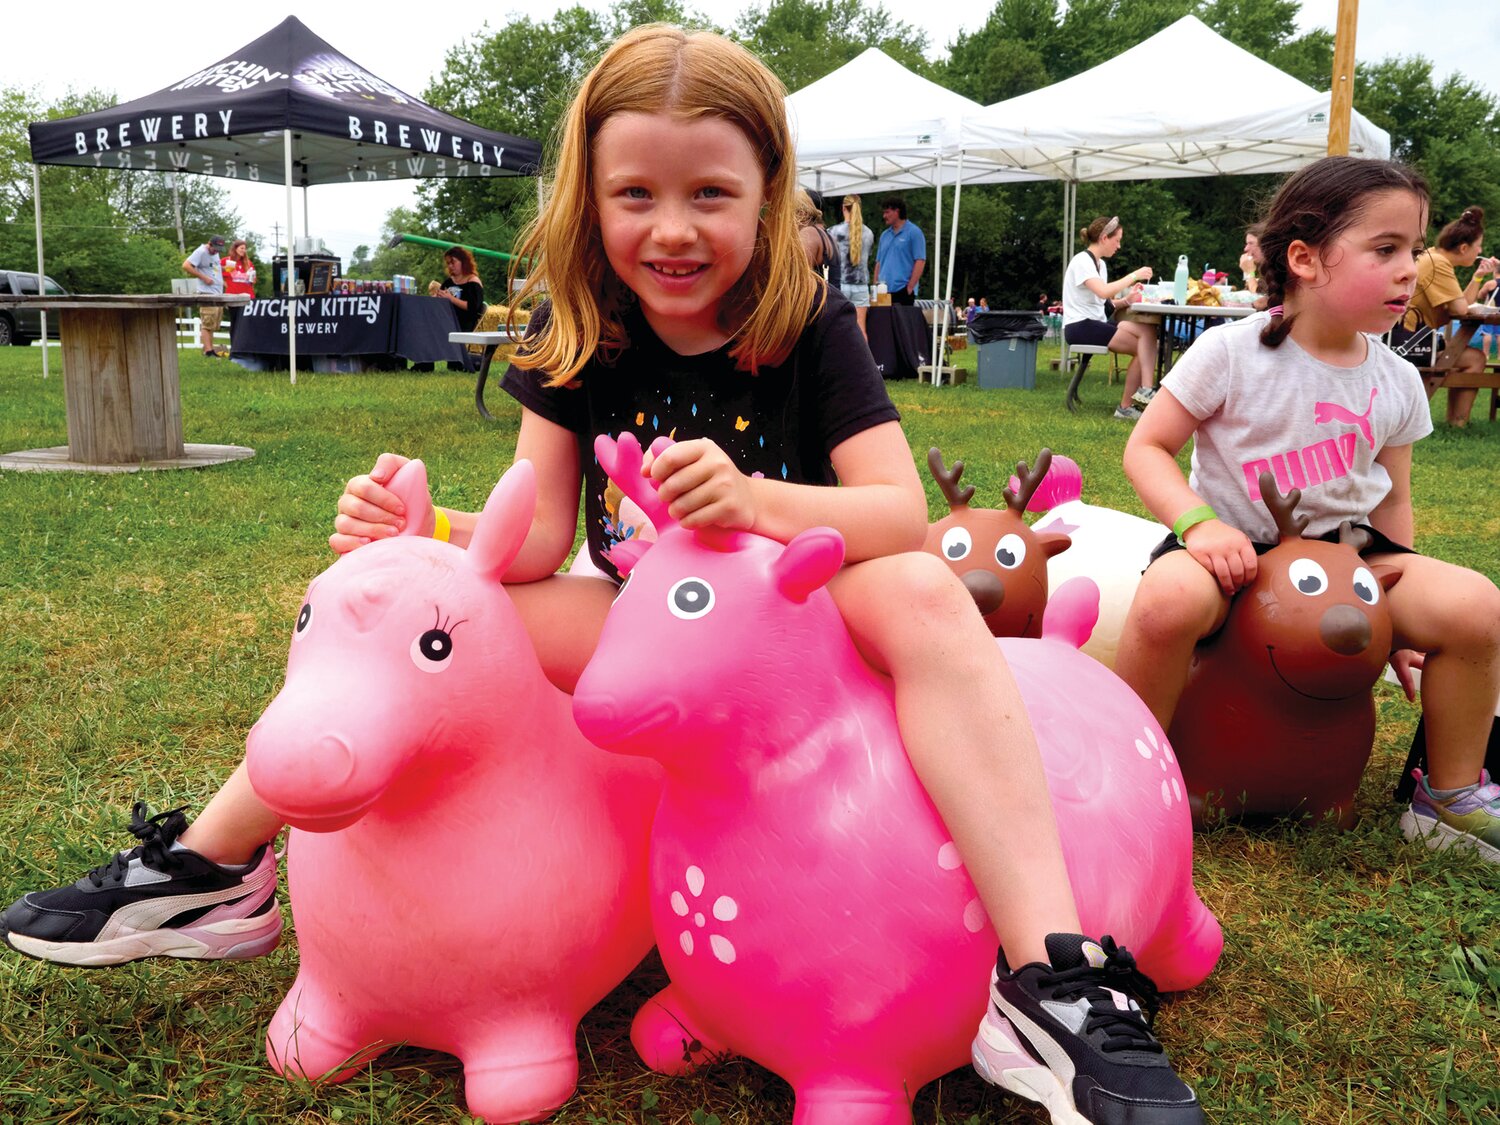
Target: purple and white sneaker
[(1463, 818), (159, 899)]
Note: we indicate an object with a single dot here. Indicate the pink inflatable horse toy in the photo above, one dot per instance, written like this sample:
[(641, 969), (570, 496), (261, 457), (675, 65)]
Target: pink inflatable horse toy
[(466, 872), (808, 903)]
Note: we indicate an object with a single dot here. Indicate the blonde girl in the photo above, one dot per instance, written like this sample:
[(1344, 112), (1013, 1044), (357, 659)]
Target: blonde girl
[(680, 294), (854, 241)]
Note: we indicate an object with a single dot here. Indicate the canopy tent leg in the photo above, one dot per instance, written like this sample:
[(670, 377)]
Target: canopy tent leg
[(936, 360), (306, 222), (291, 262), (958, 187), (1070, 215), (41, 287)]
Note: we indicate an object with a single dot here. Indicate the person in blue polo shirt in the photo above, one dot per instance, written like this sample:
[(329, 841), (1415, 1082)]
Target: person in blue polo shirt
[(902, 254)]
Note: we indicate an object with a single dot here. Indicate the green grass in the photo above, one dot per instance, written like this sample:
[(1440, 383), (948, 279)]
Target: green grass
[(145, 623)]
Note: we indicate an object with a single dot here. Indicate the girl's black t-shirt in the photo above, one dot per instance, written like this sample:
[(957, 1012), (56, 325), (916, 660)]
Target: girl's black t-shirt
[(782, 423)]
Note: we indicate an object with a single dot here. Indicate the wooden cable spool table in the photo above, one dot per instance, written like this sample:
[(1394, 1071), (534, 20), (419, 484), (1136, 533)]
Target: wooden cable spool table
[(120, 384)]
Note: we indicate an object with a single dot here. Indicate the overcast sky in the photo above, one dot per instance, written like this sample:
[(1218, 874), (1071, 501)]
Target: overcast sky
[(133, 49)]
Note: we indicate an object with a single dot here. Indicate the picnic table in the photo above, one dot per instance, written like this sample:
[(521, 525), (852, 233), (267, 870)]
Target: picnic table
[(1439, 375), (120, 383), (489, 341), (1192, 319)]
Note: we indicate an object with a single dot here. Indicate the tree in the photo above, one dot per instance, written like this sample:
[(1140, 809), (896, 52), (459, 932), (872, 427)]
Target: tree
[(1450, 132), (802, 40), (105, 231)]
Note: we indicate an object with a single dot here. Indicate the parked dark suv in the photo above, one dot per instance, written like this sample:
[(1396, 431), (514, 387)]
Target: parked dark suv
[(20, 325)]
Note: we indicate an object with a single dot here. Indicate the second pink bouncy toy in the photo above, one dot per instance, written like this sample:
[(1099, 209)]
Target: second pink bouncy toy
[(810, 908), (466, 872)]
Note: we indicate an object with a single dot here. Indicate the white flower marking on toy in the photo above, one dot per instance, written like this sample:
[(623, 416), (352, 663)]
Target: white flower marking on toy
[(724, 909), (1171, 788), (975, 918)]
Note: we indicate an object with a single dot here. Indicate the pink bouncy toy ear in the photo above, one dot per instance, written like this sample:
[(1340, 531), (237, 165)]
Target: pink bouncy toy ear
[(410, 484), (621, 460), (626, 553), (505, 521), (1072, 611), (808, 562)]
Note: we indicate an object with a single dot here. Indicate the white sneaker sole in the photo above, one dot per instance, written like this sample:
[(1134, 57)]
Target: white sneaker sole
[(1001, 1061), (232, 939), (1439, 836)]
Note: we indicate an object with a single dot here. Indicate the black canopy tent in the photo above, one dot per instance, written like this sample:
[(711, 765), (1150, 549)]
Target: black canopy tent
[(285, 109)]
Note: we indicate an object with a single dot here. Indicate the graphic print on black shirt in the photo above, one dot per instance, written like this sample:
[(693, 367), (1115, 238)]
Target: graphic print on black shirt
[(782, 423)]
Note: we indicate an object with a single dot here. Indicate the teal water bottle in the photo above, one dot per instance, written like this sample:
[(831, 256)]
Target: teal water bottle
[(1180, 280)]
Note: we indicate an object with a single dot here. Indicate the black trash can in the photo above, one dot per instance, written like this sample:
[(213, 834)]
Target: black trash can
[(1007, 341)]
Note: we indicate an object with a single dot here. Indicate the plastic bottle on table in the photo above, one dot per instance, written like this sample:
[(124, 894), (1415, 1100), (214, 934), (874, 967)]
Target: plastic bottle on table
[(1180, 281)]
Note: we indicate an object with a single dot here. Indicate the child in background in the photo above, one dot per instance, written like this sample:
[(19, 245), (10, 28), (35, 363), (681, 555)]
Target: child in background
[(1338, 264), (679, 293)]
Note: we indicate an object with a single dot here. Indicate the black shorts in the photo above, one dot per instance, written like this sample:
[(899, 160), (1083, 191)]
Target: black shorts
[(1096, 332), (1380, 544)]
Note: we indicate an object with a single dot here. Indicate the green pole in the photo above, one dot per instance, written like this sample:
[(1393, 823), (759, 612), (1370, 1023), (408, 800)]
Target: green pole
[(440, 244)]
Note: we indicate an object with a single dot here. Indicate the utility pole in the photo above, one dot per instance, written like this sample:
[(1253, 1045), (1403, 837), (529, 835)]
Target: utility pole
[(1341, 101), (177, 213), (276, 234)]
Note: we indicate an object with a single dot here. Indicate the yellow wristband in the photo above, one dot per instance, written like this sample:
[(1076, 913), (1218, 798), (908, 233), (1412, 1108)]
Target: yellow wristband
[(1192, 518), (442, 527)]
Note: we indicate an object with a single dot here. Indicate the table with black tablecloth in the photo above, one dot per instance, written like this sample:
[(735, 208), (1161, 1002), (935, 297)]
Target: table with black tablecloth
[(900, 340), (352, 324)]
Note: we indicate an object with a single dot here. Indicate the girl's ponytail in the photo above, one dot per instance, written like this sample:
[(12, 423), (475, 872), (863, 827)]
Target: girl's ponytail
[(856, 229)]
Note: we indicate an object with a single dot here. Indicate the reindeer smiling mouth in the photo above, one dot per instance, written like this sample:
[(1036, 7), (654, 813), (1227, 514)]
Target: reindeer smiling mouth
[(1271, 653)]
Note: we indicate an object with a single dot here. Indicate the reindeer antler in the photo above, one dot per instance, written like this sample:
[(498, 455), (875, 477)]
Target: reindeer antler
[(1282, 508), (1356, 537), (1029, 479), (622, 461), (948, 481)]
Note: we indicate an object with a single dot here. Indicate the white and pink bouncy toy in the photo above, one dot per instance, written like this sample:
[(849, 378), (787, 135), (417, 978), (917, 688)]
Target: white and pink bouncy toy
[(810, 908), (466, 872), (1109, 547)]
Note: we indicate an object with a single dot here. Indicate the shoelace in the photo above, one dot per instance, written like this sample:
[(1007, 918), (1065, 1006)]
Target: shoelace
[(1125, 1031), (156, 834)]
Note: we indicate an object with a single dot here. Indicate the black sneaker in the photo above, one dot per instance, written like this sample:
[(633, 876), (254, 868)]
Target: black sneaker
[(1071, 1036), (157, 900)]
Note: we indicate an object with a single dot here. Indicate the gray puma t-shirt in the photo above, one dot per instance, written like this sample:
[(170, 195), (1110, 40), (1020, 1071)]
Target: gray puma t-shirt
[(1316, 427)]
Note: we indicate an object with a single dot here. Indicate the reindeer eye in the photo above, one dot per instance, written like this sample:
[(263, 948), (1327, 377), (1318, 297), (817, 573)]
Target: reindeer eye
[(1010, 552), (1308, 577), (430, 651), (690, 598), (957, 543), (304, 619), (1365, 586)]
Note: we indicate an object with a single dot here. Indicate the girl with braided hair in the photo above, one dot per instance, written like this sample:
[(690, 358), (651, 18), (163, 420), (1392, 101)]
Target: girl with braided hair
[(1306, 390)]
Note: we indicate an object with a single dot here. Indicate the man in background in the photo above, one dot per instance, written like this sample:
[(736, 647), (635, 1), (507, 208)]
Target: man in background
[(902, 254), (207, 266)]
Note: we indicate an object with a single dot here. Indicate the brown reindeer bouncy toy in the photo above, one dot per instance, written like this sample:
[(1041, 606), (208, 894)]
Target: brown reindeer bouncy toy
[(1000, 559), (1277, 717)]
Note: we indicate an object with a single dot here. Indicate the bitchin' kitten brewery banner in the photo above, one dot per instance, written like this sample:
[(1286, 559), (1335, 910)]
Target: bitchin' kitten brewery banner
[(227, 119)]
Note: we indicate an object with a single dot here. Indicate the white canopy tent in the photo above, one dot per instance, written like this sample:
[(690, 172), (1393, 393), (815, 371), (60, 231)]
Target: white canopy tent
[(1084, 129), (874, 126)]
